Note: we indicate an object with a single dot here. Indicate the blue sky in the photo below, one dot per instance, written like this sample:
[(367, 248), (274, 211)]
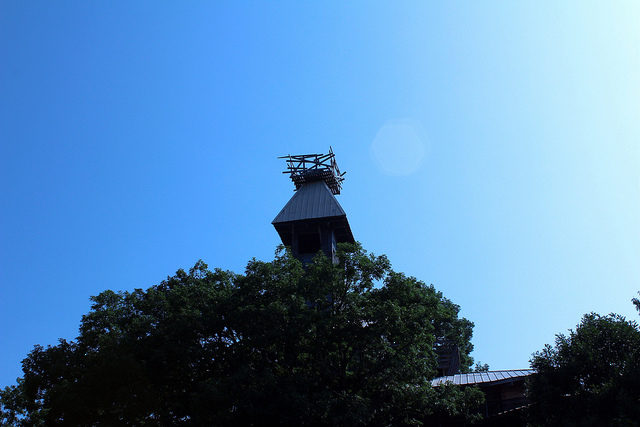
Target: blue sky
[(491, 149)]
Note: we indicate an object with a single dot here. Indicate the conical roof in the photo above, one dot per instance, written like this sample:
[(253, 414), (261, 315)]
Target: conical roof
[(312, 200)]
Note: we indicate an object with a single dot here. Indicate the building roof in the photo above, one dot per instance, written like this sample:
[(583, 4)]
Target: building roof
[(312, 200), (483, 377)]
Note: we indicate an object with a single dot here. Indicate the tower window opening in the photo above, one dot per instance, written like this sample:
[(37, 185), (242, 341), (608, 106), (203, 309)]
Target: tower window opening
[(309, 243)]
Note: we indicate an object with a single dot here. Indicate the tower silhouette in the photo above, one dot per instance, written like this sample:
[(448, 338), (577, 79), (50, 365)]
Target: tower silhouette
[(313, 220)]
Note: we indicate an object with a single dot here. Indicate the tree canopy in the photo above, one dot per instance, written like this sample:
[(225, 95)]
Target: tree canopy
[(591, 377), (345, 344)]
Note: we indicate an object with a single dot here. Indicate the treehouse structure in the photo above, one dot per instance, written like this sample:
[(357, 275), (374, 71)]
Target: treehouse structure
[(313, 220)]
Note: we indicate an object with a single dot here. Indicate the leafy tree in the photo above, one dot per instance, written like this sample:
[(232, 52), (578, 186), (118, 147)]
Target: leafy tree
[(346, 344), (480, 367), (591, 377)]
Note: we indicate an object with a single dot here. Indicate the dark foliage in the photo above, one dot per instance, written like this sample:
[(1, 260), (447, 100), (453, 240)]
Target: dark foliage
[(277, 345), (591, 377)]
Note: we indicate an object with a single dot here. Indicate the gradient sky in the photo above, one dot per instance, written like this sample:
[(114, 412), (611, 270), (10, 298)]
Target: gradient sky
[(492, 149)]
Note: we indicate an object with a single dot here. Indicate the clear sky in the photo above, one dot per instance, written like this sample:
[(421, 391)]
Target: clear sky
[(492, 149)]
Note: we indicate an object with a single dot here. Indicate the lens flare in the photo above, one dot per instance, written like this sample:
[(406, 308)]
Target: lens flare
[(399, 147)]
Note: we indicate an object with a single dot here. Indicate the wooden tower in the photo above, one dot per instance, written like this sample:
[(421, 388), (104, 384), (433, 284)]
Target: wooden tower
[(313, 220)]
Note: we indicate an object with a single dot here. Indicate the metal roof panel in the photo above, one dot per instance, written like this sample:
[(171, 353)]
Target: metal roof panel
[(312, 200), (482, 377)]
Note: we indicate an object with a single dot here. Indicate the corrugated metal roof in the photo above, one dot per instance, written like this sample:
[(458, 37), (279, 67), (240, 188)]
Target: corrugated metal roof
[(312, 200), (482, 377)]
